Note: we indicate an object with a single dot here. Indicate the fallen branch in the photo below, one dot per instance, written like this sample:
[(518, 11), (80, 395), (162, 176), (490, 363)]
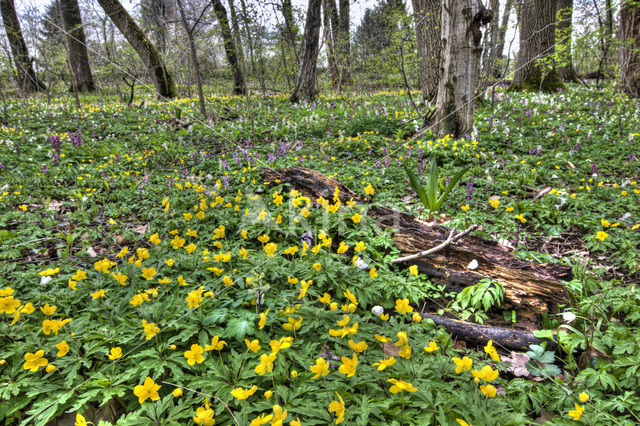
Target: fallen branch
[(442, 246)]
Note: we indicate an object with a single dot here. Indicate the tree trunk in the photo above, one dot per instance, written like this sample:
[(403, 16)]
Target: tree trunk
[(305, 89), (344, 42), (235, 29), (564, 27), (135, 36), (427, 16), (330, 32), (630, 48), (502, 33), (25, 75), (193, 54), (256, 70), (82, 80), (290, 27), (535, 69), (239, 86), (461, 36)]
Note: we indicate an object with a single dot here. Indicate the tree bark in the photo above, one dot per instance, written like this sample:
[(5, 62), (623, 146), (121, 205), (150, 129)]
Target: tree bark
[(305, 89), (235, 29), (461, 38), (535, 70), (630, 48), (344, 42), (193, 54), (290, 27), (427, 16), (239, 86), (502, 33), (25, 75), (330, 18), (82, 79), (254, 64), (564, 28), (144, 48), (531, 288)]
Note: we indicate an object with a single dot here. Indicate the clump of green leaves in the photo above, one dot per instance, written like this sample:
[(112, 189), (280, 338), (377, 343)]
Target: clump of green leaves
[(478, 299)]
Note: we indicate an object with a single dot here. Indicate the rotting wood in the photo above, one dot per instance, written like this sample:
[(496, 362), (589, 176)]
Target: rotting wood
[(530, 288)]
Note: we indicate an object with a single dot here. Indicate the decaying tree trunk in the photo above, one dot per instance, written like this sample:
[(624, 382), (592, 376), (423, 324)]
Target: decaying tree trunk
[(530, 288), (461, 40), (427, 17), (630, 48), (305, 89), (564, 28), (144, 48), (82, 80), (239, 86), (25, 75), (535, 70)]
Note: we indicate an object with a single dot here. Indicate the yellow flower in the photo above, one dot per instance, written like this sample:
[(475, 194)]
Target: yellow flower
[(49, 272), (295, 422), (405, 352), (79, 275), (400, 385), (190, 248), (491, 351), (115, 353), (358, 347), (283, 343), (577, 412), (320, 368), (9, 305), (465, 207), (403, 307), (291, 250), (372, 273), (48, 309), (381, 339), (264, 238), (521, 218), (384, 363), (403, 340), (463, 364), (50, 368), (266, 364), (431, 348), (360, 246), (601, 235), (100, 294), (325, 298), (80, 420), (268, 394), (147, 390), (349, 365), (262, 419), (177, 242), (352, 298), (369, 189), (216, 344), (263, 319), (177, 392), (486, 373), (337, 407), (120, 278), (253, 346), (494, 202), (584, 397), (155, 239), (356, 218), (204, 416), (278, 415), (292, 324), (63, 349), (413, 270), (194, 355), (148, 273), (489, 390), (462, 422), (23, 207), (270, 249), (194, 298), (150, 329), (416, 317), (240, 393), (33, 361)]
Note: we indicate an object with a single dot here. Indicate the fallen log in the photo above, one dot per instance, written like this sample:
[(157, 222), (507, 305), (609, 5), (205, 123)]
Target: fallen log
[(502, 337), (530, 288)]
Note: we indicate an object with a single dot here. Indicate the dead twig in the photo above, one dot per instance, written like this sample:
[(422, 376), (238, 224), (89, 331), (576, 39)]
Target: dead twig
[(450, 239)]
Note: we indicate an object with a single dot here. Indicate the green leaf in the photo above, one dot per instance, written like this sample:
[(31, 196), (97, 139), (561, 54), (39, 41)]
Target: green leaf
[(239, 328), (543, 334), (449, 188), (417, 186), (432, 184)]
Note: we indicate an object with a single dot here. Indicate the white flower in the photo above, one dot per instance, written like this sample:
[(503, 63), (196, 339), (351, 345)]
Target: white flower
[(568, 316), (44, 280), (377, 310), (473, 265), (361, 264)]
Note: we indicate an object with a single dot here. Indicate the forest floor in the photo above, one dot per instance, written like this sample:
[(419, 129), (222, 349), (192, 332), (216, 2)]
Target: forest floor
[(147, 267)]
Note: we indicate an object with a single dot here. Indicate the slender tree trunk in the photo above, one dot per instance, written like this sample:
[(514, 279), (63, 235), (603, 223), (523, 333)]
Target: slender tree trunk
[(330, 33), (193, 54), (344, 42), (254, 65), (135, 36), (564, 27), (82, 79), (235, 29), (305, 89), (290, 27), (502, 33), (25, 75), (535, 69), (461, 36), (427, 16), (630, 48), (230, 48)]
